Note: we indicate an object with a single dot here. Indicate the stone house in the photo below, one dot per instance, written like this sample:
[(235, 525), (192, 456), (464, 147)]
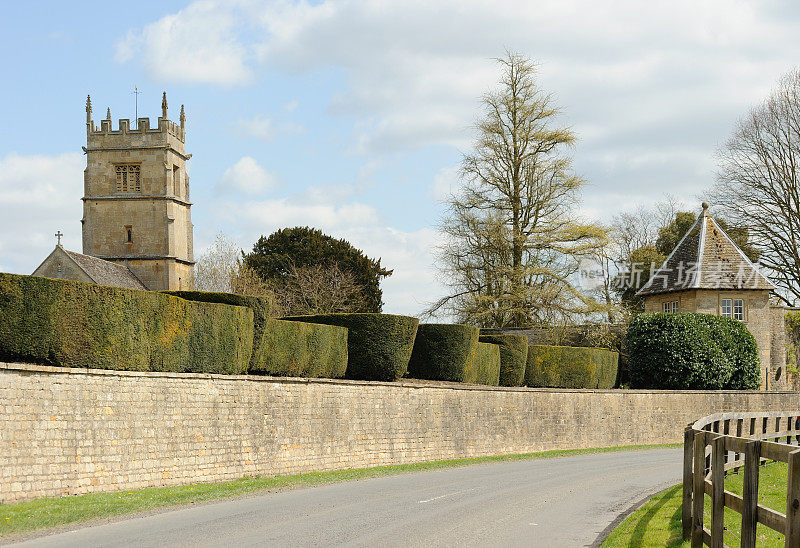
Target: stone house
[(709, 274), (136, 208)]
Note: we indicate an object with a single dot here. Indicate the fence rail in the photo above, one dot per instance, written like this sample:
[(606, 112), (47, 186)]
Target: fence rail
[(716, 444)]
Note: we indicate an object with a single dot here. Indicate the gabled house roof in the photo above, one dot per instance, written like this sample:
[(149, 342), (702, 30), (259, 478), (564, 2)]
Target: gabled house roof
[(706, 258), (98, 271)]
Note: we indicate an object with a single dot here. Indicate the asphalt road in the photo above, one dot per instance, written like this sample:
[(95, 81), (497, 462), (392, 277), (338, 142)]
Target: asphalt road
[(564, 501)]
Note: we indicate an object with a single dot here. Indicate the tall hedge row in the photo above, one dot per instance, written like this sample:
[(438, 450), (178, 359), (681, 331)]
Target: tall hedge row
[(378, 345), (485, 368), (261, 307), (298, 349), (76, 324), (513, 357), (443, 352), (571, 367), (691, 351)]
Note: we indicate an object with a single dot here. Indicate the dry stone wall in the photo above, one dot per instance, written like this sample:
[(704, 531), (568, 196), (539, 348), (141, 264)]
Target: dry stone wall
[(73, 431)]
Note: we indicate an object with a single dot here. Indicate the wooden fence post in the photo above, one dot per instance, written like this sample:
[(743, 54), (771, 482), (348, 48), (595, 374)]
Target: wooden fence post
[(698, 488), (752, 458), (793, 501), (686, 507), (717, 492)]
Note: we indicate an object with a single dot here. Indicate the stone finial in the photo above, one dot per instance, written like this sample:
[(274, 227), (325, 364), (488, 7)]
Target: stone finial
[(88, 109), (183, 118), (164, 105), (705, 207), (108, 113)]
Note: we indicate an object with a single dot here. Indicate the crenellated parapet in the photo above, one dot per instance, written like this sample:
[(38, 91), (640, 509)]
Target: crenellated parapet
[(142, 126)]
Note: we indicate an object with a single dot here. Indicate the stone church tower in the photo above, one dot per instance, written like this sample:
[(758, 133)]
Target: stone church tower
[(136, 208)]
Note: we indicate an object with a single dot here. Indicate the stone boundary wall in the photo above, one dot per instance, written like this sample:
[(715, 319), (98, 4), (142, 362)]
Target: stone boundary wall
[(72, 431)]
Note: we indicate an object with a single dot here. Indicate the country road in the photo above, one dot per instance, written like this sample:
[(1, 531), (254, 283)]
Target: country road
[(564, 501)]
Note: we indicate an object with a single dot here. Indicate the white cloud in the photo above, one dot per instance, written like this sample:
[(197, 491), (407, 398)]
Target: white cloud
[(260, 127), (264, 128), (247, 176), (415, 70), (39, 194), (196, 44)]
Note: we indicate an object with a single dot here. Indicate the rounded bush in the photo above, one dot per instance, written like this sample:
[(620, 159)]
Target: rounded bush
[(691, 351), (571, 367), (485, 368), (299, 349), (513, 357), (378, 345), (443, 352), (261, 307)]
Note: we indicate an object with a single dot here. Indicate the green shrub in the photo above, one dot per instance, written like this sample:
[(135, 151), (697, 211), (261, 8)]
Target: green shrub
[(485, 368), (75, 324), (378, 345), (443, 352), (691, 351), (571, 367), (298, 349), (513, 355), (261, 307)]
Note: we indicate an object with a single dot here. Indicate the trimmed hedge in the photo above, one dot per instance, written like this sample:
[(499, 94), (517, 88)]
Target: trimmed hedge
[(299, 349), (76, 324), (261, 307), (378, 345), (571, 367), (443, 352), (485, 368), (691, 351), (513, 356)]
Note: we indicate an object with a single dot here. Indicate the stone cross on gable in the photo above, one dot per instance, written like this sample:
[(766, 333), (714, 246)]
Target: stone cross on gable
[(58, 235)]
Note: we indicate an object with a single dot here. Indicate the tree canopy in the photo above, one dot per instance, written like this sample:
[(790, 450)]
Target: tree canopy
[(513, 233), (758, 183), (284, 256)]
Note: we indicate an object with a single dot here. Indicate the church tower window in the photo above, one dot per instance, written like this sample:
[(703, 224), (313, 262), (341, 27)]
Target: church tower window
[(128, 178)]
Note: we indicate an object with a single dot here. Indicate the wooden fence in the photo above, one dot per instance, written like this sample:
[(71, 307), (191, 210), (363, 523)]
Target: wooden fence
[(718, 443)]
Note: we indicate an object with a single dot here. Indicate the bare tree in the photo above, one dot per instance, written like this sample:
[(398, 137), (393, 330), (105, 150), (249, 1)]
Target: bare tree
[(757, 183), (513, 233), (220, 268), (316, 289)]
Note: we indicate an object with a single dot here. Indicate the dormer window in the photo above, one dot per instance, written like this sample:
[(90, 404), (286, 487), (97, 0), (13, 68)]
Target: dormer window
[(128, 178)]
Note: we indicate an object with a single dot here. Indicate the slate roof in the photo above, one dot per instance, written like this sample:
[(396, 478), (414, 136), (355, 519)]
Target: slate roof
[(706, 258), (104, 272)]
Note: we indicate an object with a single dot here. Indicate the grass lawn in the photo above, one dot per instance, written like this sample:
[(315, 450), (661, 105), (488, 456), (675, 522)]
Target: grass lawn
[(658, 522), (49, 513)]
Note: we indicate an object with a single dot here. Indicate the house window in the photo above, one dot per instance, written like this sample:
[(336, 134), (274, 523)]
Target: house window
[(669, 306), (128, 178), (727, 308), (129, 234), (738, 309)]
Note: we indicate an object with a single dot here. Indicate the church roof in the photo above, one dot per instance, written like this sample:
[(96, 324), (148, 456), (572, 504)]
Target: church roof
[(94, 270), (104, 272), (706, 258)]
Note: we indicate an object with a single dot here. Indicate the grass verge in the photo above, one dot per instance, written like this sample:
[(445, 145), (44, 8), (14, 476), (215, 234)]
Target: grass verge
[(658, 521), (50, 513)]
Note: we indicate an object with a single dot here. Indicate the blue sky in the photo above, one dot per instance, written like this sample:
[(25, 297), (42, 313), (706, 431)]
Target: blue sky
[(352, 116)]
